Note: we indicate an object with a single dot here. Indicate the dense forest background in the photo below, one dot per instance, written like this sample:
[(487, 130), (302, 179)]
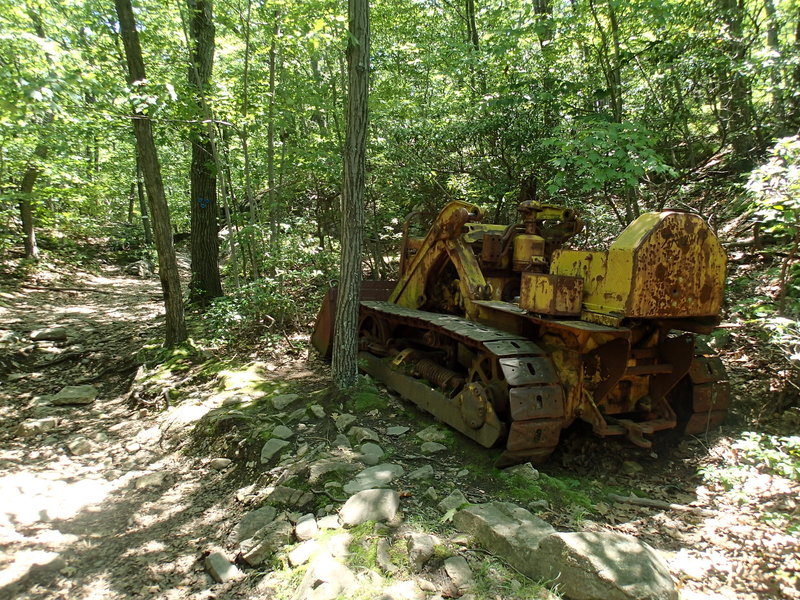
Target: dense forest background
[(611, 107)]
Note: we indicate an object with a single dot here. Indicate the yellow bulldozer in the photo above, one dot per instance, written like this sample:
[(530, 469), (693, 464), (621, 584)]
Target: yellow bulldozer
[(509, 337)]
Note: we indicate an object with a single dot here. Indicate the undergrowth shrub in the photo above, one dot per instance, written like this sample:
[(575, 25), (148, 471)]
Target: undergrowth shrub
[(285, 300)]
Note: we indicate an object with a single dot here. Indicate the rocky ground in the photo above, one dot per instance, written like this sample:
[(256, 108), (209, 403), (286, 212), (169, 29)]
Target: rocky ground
[(195, 475)]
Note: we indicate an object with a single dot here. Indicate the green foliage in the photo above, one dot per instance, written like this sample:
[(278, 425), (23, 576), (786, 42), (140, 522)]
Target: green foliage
[(779, 455), (592, 156), (560, 491), (365, 397), (270, 306), (775, 189)]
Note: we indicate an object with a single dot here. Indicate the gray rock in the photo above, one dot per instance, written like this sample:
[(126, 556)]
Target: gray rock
[(370, 505), (459, 572), (374, 477), (80, 446), (431, 494), (432, 447), (344, 421), (317, 411), (321, 468), (282, 432), (363, 434), (50, 334), (631, 467), (220, 568), (306, 528), (608, 565), (74, 394), (525, 471), (421, 547), (506, 530), (403, 590), (265, 542), (383, 558), (220, 464), (325, 579), (371, 454), (302, 553), (140, 268), (281, 494), (341, 441), (329, 522), (453, 502), (432, 434), (151, 480), (36, 426), (284, 400), (396, 430), (297, 415), (271, 448), (253, 521), (424, 472)]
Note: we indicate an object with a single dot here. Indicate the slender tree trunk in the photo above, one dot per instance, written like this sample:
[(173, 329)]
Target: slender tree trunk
[(205, 283), (151, 169), (793, 123), (25, 198), (148, 233), (345, 367), (272, 200), (256, 239), (735, 112)]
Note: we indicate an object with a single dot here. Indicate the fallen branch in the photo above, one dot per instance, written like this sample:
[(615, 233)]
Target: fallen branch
[(661, 504), (64, 289)]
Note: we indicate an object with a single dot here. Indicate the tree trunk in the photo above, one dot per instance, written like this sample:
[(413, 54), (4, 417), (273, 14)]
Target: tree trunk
[(272, 201), (793, 123), (151, 169), (345, 367), (205, 283), (25, 196), (735, 113), (148, 233)]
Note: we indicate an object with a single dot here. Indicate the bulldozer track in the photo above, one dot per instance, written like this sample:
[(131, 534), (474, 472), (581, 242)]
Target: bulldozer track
[(511, 393)]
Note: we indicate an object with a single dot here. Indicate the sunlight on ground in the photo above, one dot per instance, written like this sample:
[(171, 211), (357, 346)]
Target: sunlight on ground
[(29, 498)]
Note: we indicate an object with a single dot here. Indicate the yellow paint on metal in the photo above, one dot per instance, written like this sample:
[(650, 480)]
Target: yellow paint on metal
[(664, 265)]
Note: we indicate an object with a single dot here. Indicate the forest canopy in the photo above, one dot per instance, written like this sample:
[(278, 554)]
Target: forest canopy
[(608, 106)]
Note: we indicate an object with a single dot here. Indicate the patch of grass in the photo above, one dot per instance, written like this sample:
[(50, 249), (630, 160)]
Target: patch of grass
[(558, 491), (365, 397), (493, 579), (363, 547)]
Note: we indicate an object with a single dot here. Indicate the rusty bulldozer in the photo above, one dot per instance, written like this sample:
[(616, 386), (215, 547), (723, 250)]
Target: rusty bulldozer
[(510, 338)]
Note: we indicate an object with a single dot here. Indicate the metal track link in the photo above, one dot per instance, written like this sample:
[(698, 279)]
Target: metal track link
[(710, 394), (532, 414)]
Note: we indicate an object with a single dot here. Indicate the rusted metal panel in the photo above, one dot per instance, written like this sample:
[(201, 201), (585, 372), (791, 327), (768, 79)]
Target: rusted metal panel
[(557, 295), (706, 370), (527, 370), (322, 336), (711, 396), (536, 402), (705, 421), (536, 433)]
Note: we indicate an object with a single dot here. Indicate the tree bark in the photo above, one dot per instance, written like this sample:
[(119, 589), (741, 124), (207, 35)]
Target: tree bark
[(735, 113), (25, 196), (175, 331), (148, 233), (345, 367), (205, 282)]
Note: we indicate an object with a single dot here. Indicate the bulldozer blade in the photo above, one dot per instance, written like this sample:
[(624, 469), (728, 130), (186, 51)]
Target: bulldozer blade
[(322, 336)]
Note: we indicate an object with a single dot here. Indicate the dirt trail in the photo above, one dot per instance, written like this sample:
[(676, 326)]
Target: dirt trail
[(121, 514)]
